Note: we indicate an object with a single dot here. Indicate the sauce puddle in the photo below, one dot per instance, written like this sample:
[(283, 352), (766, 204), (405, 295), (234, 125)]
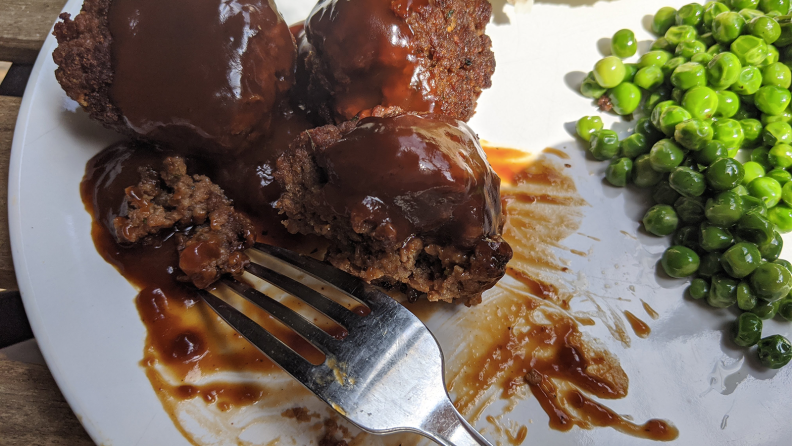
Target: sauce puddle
[(520, 341)]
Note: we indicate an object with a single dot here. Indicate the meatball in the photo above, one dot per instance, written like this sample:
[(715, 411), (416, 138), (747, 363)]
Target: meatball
[(206, 75), (211, 234), (421, 212), (420, 55)]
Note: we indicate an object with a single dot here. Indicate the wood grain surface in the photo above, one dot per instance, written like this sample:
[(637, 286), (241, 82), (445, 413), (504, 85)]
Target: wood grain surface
[(9, 107), (32, 409), (24, 24)]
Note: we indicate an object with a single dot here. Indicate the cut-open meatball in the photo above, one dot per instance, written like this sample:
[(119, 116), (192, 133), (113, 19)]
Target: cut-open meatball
[(212, 235), (420, 55), (405, 200), (204, 75)]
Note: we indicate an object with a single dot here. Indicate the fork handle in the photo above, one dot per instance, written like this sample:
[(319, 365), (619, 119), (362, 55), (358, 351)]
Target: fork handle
[(447, 427)]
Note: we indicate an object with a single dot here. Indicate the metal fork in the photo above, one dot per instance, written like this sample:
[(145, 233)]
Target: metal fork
[(393, 363)]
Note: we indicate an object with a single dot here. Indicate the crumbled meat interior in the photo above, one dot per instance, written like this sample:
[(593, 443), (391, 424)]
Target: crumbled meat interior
[(211, 234)]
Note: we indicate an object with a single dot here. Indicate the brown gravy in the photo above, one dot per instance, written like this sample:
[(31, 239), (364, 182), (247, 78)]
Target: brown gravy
[(186, 339), (640, 327)]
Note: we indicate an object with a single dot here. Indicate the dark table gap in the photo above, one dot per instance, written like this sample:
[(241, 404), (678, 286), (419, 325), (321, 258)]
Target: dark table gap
[(15, 80)]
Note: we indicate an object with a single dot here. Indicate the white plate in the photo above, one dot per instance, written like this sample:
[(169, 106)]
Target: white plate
[(87, 326)]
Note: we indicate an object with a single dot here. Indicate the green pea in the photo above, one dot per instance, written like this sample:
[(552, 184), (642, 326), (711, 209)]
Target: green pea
[(689, 75), (752, 130), (765, 28), (753, 204), (773, 100), (714, 238), (672, 116), (777, 75), (604, 144), (772, 249), (724, 209), (723, 291), (751, 50), (771, 282), (749, 14), (729, 132), (746, 298), (748, 82), (781, 216), (777, 133), (663, 193), (738, 5), (785, 22), (725, 174), (718, 48), (785, 116), (700, 102), (625, 98), (786, 264), (774, 351), (660, 220), (656, 58), (740, 190), (786, 193), (587, 125), (687, 182), (781, 175), (766, 189), (690, 49), (764, 309), (633, 146), (681, 33), (664, 18), (781, 155), (753, 170), (649, 77), (747, 331), (772, 56), (693, 134), (761, 155), (656, 97), (690, 210), (710, 265), (662, 44), (609, 72), (727, 26), (658, 111), (728, 104), (711, 10), (710, 153), (691, 14), (677, 94), (590, 88), (630, 69), (623, 44), (669, 67), (702, 58), (643, 175), (723, 70), (741, 260), (755, 228), (666, 156), (747, 99), (679, 261), (619, 171), (651, 133), (781, 6), (699, 288), (773, 14), (785, 309)]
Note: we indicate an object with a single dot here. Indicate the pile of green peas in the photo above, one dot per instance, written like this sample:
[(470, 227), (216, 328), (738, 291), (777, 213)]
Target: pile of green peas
[(714, 88)]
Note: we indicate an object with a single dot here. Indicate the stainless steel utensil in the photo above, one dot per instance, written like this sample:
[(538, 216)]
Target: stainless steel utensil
[(393, 366)]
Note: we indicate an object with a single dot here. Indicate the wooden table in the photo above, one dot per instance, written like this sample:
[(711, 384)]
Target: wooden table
[(32, 409)]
